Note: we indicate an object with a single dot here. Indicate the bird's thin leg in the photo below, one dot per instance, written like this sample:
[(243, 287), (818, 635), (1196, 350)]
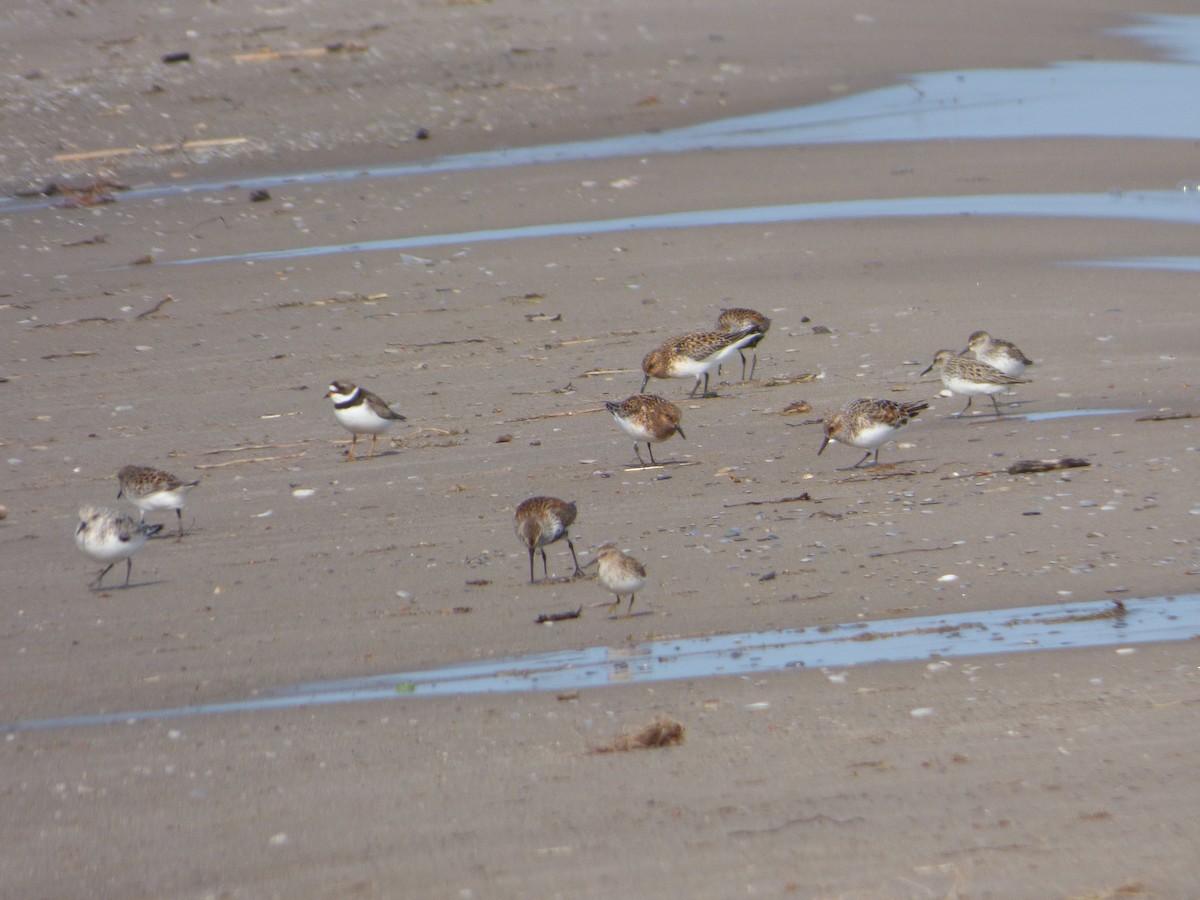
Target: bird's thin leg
[(996, 405), (743, 356), (866, 456), (128, 569), (650, 449), (629, 612), (179, 516), (968, 406), (545, 570), (578, 571), (637, 453), (350, 450), (100, 577)]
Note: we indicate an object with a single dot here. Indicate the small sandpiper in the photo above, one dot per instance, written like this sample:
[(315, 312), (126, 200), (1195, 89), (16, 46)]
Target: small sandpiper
[(647, 418), (998, 354), (695, 355), (108, 536), (739, 318), (868, 424), (153, 489), (543, 520), (620, 573), (970, 377)]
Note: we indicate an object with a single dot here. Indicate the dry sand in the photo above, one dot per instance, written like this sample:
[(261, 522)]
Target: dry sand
[(1055, 774)]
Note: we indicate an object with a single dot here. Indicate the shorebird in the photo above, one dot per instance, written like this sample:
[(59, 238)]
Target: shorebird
[(740, 318), (648, 418), (543, 520), (108, 536), (868, 424), (621, 574), (360, 412), (695, 355), (970, 377), (153, 489), (998, 354)]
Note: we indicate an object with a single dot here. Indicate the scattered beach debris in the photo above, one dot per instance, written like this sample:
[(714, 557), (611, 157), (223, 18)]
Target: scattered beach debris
[(664, 731), (1167, 417), (551, 618), (178, 146), (782, 380), (796, 408), (1026, 466), (268, 55), (94, 239), (799, 498), (152, 311)]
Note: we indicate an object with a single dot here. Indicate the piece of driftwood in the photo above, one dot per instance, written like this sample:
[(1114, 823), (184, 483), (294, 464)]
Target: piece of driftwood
[(155, 308), (546, 618), (94, 239), (592, 373), (327, 50), (245, 448), (241, 462), (206, 144), (799, 498), (1026, 466), (437, 343), (781, 380), (558, 415), (1166, 417)]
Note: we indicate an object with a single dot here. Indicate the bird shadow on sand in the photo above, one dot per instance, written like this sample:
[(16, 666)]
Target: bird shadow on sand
[(661, 464), (630, 615), (985, 416), (174, 535), (888, 469), (95, 589)]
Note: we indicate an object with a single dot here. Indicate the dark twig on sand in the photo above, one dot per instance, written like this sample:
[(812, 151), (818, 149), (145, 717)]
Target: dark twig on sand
[(546, 618)]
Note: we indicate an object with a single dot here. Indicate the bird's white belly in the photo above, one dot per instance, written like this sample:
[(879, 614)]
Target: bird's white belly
[(360, 419), (110, 547), (160, 500), (634, 429), (870, 437), (966, 388), (684, 367)]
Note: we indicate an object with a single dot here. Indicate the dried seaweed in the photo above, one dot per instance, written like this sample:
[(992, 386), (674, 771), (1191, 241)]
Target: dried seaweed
[(1026, 466), (664, 731)]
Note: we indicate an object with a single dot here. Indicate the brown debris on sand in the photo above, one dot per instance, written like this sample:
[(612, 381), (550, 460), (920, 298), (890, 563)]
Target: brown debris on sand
[(664, 731)]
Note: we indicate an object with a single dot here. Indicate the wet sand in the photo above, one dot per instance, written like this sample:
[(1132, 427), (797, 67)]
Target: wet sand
[(1043, 774)]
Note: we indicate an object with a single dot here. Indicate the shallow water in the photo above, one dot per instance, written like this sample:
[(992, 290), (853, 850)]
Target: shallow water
[(1151, 206), (1106, 99), (1161, 263), (1072, 414), (1056, 626)]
